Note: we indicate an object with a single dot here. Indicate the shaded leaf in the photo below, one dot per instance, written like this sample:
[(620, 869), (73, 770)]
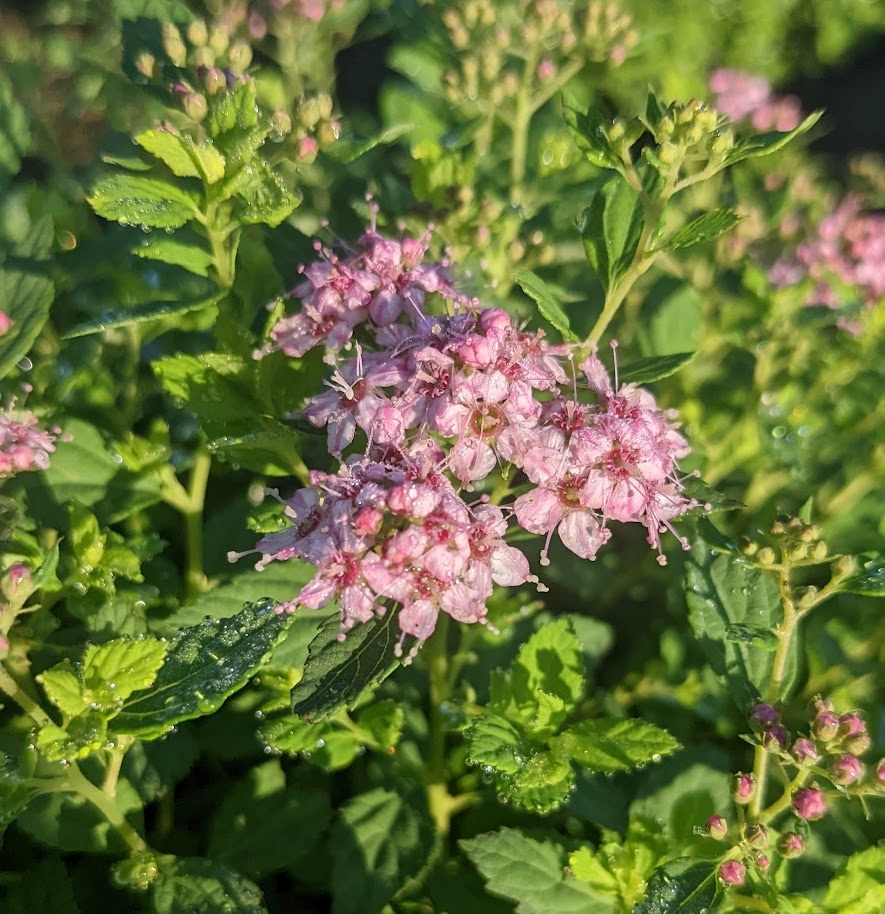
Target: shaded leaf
[(653, 368), (194, 885), (705, 228), (349, 149), (682, 886), (150, 311), (139, 200), (754, 635), (587, 130), (168, 250), (614, 744), (710, 501), (15, 134), (763, 144), (15, 793), (868, 577), (550, 308)]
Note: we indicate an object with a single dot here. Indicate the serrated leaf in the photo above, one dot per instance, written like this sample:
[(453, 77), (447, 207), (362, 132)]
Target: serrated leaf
[(494, 743), (382, 722), (682, 886), (150, 311), (532, 874), (615, 744), (190, 257), (721, 590), (763, 144), (611, 228), (112, 671), (381, 839), (705, 228), (653, 368), (194, 885), (550, 308), (338, 672), (204, 665), (586, 128), (868, 577), (139, 200), (15, 793), (710, 501), (265, 198), (83, 735), (26, 292), (754, 635), (183, 156), (291, 733), (858, 887), (350, 149), (64, 688), (234, 110)]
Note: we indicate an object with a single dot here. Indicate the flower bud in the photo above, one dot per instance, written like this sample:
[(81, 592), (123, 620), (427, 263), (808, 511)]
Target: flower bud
[(732, 872), (17, 585), (804, 752), (857, 744), (281, 123), (218, 40), (763, 715), (214, 81), (809, 803), (307, 150), (775, 738), (762, 862), (749, 547), (328, 133), (668, 153), (743, 788), (722, 142), (145, 63), (846, 769), (239, 57), (819, 551), (195, 106), (842, 566), (806, 596), (204, 58), (879, 773), (797, 552), (766, 557), (197, 33), (756, 836), (809, 534), (791, 845), (778, 528), (173, 45), (717, 828), (851, 725), (825, 726)]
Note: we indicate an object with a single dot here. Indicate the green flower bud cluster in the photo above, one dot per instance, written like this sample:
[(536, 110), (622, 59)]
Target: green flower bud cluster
[(313, 126), (608, 32), (690, 132), (790, 541)]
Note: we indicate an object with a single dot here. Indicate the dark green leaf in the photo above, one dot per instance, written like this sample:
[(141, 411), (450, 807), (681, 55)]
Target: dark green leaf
[(338, 672), (763, 144), (532, 873), (204, 665), (654, 111), (168, 250), (613, 744), (193, 885), (754, 635), (709, 500), (654, 368), (611, 228), (705, 228), (381, 839), (547, 303), (682, 886), (349, 149), (45, 886), (150, 311), (587, 130), (15, 135), (868, 577), (139, 200), (721, 591), (26, 292), (15, 793)]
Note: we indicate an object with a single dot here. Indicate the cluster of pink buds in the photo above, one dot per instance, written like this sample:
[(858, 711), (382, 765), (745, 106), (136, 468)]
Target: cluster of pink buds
[(442, 398), (741, 96), (23, 444), (845, 259)]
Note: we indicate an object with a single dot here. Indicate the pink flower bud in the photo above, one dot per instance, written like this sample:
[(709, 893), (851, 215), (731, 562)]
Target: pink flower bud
[(775, 738), (495, 320), (791, 845), (368, 522), (846, 769), (851, 725), (825, 726), (5, 323), (717, 828), (879, 773), (743, 788), (732, 872), (756, 836), (546, 70), (857, 745), (762, 862), (804, 751), (809, 803), (764, 715)]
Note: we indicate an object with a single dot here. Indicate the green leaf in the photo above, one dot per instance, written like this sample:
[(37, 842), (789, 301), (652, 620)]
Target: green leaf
[(858, 887), (754, 635), (190, 257), (611, 227), (682, 886), (868, 577), (83, 735), (15, 135), (763, 144), (150, 311), (532, 874), (350, 149), (15, 793), (45, 886), (234, 111), (292, 734), (183, 156), (654, 368), (204, 666), (64, 688), (266, 200), (705, 228), (193, 885), (338, 672), (614, 744), (709, 500), (382, 723), (139, 200), (256, 812), (26, 292), (113, 671), (721, 591), (547, 303), (380, 840), (496, 745), (587, 130)]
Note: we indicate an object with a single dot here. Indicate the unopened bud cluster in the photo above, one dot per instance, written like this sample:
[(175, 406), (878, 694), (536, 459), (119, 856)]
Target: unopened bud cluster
[(313, 127), (689, 134), (791, 542)]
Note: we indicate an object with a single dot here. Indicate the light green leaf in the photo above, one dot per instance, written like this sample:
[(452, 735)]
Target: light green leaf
[(496, 745), (382, 723), (193, 885), (381, 839), (547, 303), (347, 150), (188, 256), (83, 735), (532, 874), (611, 227), (763, 144), (858, 888), (112, 671), (204, 666), (654, 368), (705, 228), (615, 744), (26, 292), (587, 130), (64, 688), (139, 200), (266, 200), (150, 311), (868, 577), (233, 111), (291, 733), (682, 886), (183, 156)]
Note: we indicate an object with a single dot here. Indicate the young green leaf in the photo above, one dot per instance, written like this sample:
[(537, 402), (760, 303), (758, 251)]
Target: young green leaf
[(653, 368), (615, 744), (497, 745), (349, 150), (150, 311), (190, 257), (858, 887), (705, 228), (186, 885), (611, 227), (81, 736), (382, 723), (868, 576), (532, 874), (381, 839), (709, 500), (139, 200), (587, 130), (265, 199), (204, 666), (682, 886), (182, 156), (763, 144), (547, 303), (338, 672)]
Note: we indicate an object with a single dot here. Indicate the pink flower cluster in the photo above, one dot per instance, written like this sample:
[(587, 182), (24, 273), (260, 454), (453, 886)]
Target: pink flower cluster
[(443, 399), (23, 444), (846, 252), (741, 96)]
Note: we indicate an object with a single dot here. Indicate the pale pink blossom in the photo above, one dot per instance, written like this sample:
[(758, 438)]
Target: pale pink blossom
[(23, 444)]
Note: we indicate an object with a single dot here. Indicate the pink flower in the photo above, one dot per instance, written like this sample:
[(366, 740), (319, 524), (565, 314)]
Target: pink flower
[(743, 788), (741, 96), (809, 803), (23, 444), (732, 872)]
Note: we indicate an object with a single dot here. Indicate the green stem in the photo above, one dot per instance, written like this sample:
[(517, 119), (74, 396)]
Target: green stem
[(219, 233), (439, 800), (522, 118), (195, 578), (22, 699), (79, 783)]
